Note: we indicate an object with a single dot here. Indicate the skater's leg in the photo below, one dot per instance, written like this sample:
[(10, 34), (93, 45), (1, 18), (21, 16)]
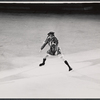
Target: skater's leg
[(44, 59), (61, 57), (68, 65), (66, 62)]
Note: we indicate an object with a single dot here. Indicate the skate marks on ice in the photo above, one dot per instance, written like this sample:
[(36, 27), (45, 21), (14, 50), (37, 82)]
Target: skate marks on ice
[(85, 59), (81, 64), (29, 67), (86, 66), (20, 66), (54, 79)]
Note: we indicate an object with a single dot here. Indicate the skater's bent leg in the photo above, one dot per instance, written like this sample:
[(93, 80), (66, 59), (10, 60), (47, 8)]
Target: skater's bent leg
[(44, 59), (66, 62)]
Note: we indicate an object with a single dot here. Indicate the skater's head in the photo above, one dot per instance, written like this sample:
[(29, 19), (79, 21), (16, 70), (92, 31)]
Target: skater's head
[(51, 34)]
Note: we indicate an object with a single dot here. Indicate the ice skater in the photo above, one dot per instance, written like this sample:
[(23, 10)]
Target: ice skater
[(54, 50)]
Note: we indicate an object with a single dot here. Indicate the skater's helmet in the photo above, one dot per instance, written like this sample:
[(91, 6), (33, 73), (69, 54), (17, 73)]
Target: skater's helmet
[(51, 33)]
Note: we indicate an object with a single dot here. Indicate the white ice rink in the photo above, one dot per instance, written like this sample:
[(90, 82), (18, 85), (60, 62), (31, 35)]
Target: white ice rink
[(21, 36)]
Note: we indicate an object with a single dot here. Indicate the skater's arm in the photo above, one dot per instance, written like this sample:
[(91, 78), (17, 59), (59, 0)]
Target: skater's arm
[(45, 43)]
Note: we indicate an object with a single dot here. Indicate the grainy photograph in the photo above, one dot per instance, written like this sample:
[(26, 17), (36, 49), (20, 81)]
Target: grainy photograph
[(49, 49)]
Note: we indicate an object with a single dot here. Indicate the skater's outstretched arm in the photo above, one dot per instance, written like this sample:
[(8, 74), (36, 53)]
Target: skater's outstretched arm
[(45, 43), (42, 47)]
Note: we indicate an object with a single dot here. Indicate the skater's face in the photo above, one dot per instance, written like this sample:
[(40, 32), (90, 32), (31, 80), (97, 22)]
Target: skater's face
[(50, 36)]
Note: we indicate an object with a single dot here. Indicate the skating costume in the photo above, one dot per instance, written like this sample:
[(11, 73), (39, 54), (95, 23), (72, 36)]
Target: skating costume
[(53, 43)]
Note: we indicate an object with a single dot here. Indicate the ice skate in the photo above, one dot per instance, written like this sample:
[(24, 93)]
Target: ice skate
[(70, 69), (43, 63)]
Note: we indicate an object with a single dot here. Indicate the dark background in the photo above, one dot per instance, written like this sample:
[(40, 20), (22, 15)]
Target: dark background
[(91, 8)]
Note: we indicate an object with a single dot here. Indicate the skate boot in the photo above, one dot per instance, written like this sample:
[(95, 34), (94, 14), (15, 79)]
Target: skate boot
[(68, 65), (43, 63)]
